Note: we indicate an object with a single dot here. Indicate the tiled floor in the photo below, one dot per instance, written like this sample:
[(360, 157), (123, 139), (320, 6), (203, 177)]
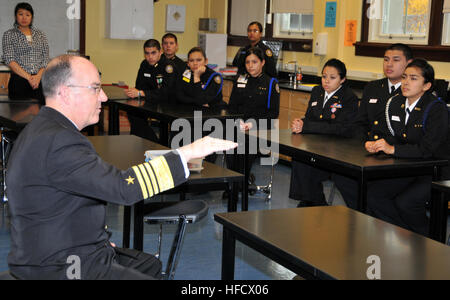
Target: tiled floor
[(201, 253)]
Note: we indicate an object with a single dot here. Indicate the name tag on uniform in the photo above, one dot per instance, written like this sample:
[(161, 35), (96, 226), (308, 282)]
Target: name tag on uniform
[(242, 79), (147, 75), (241, 85), (187, 76), (396, 118), (314, 104), (373, 101)]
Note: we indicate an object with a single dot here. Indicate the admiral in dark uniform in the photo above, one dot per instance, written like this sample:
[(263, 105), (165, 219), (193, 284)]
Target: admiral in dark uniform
[(58, 187), (256, 95), (331, 109), (417, 128), (155, 80), (254, 32), (199, 85)]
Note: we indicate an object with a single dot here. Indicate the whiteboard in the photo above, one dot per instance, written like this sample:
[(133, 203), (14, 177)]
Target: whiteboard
[(56, 18)]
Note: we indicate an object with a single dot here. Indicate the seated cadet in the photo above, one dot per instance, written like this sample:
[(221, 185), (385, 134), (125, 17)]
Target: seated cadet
[(170, 48), (254, 34), (257, 96), (417, 128), (58, 186), (198, 85), (156, 77), (331, 109), (370, 123)]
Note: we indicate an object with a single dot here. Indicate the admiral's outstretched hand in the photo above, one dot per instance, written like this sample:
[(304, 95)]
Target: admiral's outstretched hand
[(206, 146)]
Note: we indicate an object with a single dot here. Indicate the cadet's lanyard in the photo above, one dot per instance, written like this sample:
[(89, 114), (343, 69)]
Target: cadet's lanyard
[(211, 78), (270, 91)]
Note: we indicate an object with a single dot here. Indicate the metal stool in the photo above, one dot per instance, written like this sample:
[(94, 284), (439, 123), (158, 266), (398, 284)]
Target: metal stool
[(6, 276), (180, 213), (8, 138), (266, 189)]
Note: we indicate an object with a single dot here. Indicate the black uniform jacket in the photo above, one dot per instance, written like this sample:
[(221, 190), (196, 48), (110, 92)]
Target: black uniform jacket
[(58, 188), (257, 98), (179, 64), (156, 81), (207, 91), (270, 67), (370, 123), (336, 117), (411, 140)]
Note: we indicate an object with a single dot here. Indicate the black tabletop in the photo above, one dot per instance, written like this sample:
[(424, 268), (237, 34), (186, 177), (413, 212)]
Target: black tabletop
[(114, 92), (443, 186), (335, 242), (16, 114), (124, 151), (348, 152)]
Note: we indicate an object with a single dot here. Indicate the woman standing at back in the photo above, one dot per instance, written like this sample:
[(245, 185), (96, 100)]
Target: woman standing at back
[(26, 52)]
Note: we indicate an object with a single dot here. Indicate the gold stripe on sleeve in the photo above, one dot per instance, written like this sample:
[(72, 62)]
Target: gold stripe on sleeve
[(162, 173), (147, 180), (152, 178), (141, 182)]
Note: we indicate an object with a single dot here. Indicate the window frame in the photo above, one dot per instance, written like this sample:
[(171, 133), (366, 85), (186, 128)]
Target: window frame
[(297, 45), (433, 51)]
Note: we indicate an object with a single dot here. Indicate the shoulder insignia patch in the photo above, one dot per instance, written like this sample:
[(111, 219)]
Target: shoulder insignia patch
[(217, 79), (269, 53), (169, 69), (277, 88)]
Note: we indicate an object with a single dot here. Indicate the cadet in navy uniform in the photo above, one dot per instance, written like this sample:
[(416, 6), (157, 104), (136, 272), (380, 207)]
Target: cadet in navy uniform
[(256, 95), (410, 135), (254, 33), (155, 79), (370, 124), (58, 186), (331, 109), (170, 48), (199, 85)]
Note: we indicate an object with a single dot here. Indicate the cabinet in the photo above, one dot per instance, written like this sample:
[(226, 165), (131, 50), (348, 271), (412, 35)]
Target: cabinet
[(226, 90), (131, 20), (293, 104), (4, 79)]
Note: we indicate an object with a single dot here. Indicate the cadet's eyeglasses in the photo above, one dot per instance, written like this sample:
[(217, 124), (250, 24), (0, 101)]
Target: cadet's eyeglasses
[(96, 88)]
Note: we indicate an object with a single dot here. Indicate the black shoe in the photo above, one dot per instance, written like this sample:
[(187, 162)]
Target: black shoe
[(252, 189), (303, 203), (225, 195)]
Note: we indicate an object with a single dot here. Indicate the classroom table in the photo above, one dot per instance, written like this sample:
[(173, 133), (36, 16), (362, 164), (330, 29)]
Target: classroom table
[(124, 151), (333, 242), (16, 114), (439, 210), (165, 113), (343, 156)]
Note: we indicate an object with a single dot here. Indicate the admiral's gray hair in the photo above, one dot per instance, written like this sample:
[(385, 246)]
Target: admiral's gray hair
[(58, 73)]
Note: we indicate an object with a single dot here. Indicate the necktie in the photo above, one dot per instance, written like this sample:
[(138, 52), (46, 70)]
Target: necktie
[(408, 112), (392, 90), (325, 101)]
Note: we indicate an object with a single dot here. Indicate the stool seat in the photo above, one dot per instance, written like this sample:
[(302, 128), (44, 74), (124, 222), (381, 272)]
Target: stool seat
[(6, 276), (180, 213), (193, 210)]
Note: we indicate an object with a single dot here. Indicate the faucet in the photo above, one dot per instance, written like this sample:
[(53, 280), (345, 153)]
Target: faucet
[(295, 71)]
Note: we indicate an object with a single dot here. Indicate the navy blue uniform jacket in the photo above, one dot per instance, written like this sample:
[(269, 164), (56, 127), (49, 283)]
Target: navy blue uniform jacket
[(58, 188)]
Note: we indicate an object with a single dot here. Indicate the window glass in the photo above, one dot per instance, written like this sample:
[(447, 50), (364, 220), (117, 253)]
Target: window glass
[(293, 25)]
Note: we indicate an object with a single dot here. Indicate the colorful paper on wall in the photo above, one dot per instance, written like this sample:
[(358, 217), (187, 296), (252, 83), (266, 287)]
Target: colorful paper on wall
[(330, 14), (350, 32)]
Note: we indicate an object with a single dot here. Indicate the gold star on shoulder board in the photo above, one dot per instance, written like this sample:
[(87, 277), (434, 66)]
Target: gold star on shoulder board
[(130, 180)]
